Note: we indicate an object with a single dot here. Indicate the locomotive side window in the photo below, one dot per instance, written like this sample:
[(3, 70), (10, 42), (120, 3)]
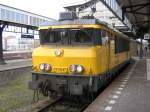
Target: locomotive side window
[(103, 33), (121, 45), (104, 37), (97, 35)]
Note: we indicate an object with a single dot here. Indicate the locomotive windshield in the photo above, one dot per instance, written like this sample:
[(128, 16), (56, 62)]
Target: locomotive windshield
[(67, 36)]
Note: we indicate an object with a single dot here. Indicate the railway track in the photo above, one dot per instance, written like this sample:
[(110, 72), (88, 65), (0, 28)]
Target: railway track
[(64, 105)]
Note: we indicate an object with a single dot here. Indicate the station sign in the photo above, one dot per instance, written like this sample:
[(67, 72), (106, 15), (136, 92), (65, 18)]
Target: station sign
[(147, 36), (28, 36)]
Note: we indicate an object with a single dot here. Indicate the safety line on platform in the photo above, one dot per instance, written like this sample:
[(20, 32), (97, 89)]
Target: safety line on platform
[(118, 92)]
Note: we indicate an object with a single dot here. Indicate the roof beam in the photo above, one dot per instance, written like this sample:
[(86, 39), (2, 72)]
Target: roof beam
[(137, 5), (141, 13), (134, 8), (141, 22), (139, 8)]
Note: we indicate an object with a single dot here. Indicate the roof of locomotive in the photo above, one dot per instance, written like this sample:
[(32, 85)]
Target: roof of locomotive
[(82, 22), (75, 22)]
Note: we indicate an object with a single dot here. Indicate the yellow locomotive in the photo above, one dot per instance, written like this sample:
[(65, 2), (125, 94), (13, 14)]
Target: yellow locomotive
[(77, 56)]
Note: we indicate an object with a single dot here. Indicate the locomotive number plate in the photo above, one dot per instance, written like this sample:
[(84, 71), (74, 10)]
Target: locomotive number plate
[(60, 70)]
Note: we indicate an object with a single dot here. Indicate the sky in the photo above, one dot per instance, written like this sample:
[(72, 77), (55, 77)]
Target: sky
[(49, 8)]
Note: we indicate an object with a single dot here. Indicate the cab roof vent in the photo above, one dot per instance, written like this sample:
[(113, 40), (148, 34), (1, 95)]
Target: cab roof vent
[(67, 16), (88, 17)]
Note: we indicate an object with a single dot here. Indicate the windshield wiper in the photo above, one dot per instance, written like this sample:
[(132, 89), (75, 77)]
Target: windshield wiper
[(47, 33)]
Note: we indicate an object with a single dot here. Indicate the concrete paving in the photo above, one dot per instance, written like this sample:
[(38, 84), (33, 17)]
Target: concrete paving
[(13, 64), (129, 92), (148, 69)]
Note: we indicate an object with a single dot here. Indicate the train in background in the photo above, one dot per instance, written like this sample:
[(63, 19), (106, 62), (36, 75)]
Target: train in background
[(78, 56)]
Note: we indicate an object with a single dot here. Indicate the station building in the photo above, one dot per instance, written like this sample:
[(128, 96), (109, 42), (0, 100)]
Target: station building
[(18, 23)]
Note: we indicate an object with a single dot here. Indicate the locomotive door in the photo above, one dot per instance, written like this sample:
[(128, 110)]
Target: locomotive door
[(109, 51), (109, 55), (116, 51), (106, 47)]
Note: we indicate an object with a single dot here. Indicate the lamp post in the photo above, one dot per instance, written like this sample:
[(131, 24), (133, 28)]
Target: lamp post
[(141, 50), (2, 26)]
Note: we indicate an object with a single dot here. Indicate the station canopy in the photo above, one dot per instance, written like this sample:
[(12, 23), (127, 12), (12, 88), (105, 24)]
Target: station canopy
[(135, 14), (138, 12)]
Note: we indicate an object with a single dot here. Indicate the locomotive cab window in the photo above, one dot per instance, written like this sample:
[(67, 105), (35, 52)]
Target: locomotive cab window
[(84, 36), (49, 36)]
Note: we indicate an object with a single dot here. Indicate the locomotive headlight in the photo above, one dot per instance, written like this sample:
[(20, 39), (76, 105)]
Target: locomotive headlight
[(73, 68), (59, 52), (76, 68), (45, 67), (42, 66), (80, 68)]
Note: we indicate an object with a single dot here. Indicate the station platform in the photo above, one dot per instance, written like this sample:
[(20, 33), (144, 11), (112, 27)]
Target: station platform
[(13, 69), (20, 54), (129, 92), (13, 64)]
